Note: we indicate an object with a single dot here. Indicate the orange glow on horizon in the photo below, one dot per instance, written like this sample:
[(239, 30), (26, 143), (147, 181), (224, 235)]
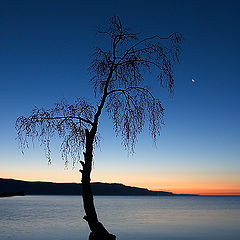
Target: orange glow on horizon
[(186, 190), (176, 184)]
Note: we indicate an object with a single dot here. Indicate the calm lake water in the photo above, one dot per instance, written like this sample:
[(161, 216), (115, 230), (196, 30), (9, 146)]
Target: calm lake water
[(130, 218)]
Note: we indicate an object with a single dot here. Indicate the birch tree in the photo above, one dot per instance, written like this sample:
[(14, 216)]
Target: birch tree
[(123, 90)]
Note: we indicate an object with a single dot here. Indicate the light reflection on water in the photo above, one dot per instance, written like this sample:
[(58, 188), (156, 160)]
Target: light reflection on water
[(130, 218)]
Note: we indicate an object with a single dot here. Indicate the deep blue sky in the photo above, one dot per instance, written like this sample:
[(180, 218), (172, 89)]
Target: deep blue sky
[(44, 56)]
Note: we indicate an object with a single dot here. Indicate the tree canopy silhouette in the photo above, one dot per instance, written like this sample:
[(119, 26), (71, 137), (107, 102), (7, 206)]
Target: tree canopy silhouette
[(121, 88)]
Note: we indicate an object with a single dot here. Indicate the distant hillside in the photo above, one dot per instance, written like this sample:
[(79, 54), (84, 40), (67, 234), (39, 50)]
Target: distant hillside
[(49, 188)]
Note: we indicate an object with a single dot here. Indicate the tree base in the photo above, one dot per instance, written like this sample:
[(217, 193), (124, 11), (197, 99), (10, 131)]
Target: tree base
[(99, 232), (102, 237)]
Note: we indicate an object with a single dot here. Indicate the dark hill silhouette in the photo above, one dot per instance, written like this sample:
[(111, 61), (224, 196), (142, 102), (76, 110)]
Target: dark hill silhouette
[(50, 188)]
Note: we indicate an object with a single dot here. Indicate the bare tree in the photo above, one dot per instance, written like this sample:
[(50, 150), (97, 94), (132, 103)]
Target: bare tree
[(122, 89)]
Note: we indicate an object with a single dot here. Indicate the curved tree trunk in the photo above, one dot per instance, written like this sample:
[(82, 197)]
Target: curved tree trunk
[(98, 231)]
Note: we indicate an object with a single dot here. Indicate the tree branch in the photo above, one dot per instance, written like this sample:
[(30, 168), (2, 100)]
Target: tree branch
[(69, 117), (143, 61), (144, 40)]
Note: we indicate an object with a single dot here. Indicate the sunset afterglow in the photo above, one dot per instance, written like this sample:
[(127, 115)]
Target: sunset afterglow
[(45, 56)]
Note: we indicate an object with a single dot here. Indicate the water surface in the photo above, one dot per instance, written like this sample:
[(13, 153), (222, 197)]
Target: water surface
[(129, 217)]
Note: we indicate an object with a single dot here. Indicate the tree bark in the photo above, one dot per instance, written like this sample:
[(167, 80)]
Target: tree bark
[(98, 231)]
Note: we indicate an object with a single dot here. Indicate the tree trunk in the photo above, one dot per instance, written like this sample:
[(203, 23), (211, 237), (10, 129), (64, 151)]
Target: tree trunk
[(98, 231)]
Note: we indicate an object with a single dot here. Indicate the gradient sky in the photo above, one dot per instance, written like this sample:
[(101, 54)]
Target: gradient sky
[(44, 56)]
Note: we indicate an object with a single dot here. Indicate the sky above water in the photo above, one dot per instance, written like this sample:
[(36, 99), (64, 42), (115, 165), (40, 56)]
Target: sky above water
[(44, 57)]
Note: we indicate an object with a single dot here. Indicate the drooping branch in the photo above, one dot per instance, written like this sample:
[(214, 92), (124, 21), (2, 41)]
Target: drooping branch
[(67, 121), (130, 109)]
